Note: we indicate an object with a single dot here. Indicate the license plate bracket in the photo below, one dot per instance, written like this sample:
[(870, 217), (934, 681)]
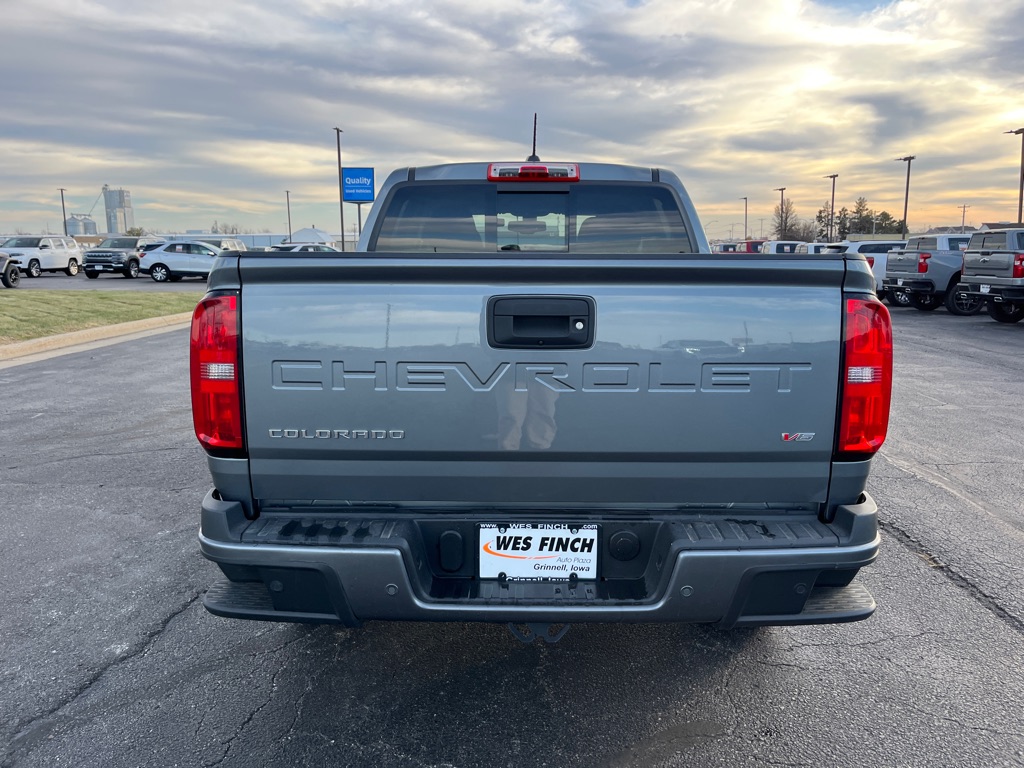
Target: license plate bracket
[(538, 551)]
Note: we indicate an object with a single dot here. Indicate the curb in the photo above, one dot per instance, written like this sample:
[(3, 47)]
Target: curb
[(76, 338)]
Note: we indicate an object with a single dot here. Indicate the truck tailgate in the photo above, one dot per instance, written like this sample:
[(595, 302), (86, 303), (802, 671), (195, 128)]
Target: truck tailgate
[(901, 263), (370, 379)]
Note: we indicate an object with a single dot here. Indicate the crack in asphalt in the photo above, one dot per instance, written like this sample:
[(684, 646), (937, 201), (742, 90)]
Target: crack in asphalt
[(271, 693), (23, 741), (990, 603)]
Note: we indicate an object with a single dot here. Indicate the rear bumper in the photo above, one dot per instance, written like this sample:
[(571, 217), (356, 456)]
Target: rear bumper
[(908, 285), (991, 290), (382, 569)]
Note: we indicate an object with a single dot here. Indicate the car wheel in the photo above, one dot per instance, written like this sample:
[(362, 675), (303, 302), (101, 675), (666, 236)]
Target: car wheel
[(160, 273), (133, 269), (91, 275), (897, 298), (11, 277), (72, 269), (1005, 312), (963, 306), (926, 302), (33, 268)]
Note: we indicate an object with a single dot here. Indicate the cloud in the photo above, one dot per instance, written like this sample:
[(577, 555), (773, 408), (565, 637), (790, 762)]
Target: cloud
[(212, 110)]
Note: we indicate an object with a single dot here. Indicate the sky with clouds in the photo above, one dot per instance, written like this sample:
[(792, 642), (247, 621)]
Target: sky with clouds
[(210, 110)]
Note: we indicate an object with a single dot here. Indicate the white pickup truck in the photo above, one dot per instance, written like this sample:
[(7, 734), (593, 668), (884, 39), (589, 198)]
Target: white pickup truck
[(875, 252)]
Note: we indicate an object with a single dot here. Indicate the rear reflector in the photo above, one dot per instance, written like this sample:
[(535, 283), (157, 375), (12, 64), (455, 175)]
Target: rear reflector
[(533, 172), (867, 380), (216, 401)]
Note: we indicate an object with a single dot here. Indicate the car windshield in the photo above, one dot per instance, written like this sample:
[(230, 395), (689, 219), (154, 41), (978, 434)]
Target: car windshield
[(119, 242), (22, 242)]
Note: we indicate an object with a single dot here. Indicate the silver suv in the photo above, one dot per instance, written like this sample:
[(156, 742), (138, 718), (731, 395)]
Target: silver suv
[(118, 255), (48, 253), (994, 271)]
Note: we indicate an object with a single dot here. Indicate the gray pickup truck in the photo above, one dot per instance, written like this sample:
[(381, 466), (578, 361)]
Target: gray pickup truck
[(928, 271), (534, 396), (994, 272)]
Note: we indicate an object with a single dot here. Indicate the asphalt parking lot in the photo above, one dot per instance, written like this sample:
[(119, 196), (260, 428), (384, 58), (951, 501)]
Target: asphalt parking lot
[(57, 281), (110, 658)]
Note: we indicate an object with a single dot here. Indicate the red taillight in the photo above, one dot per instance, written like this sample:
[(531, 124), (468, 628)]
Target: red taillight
[(867, 380), (1018, 265), (922, 262), (871, 261), (533, 172), (216, 400)]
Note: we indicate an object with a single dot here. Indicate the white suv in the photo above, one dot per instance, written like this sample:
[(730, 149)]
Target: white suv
[(49, 253), (180, 258)]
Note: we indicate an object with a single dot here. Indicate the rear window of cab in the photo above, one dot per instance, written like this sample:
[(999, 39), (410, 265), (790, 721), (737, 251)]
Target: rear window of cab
[(584, 217)]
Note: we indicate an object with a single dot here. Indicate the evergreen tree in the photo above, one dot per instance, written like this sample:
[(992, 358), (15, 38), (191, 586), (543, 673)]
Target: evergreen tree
[(842, 224)]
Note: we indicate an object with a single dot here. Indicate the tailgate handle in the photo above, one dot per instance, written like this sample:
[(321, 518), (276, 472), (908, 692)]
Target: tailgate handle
[(529, 322)]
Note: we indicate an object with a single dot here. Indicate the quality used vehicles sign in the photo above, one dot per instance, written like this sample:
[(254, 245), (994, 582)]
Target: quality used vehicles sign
[(538, 551)]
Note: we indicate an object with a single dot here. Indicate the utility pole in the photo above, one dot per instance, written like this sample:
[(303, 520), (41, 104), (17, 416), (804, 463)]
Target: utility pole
[(783, 227), (288, 202), (1020, 196), (63, 213), (341, 190), (963, 216), (744, 219), (906, 196), (832, 205)]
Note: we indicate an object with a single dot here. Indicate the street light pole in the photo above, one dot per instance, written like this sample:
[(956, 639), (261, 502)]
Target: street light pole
[(341, 190), (782, 212), (63, 213), (288, 202), (1020, 196), (832, 205), (744, 218), (906, 196)]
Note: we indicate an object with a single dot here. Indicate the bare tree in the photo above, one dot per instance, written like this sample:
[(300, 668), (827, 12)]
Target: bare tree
[(784, 221)]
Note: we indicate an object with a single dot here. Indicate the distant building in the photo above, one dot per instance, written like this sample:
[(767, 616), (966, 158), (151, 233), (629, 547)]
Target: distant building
[(120, 216), (312, 235), (81, 224), (952, 229)]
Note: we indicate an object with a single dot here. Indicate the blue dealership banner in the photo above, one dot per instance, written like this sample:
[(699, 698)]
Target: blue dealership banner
[(357, 185)]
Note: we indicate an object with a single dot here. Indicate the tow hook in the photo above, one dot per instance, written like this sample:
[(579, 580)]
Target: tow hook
[(527, 633)]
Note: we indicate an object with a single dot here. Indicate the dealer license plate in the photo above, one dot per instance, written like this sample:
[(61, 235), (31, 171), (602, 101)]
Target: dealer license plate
[(538, 551), (985, 288)]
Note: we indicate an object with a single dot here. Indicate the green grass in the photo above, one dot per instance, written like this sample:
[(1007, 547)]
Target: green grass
[(33, 314)]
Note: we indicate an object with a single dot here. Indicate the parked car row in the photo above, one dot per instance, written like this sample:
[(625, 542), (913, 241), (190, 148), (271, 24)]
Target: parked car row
[(127, 256)]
